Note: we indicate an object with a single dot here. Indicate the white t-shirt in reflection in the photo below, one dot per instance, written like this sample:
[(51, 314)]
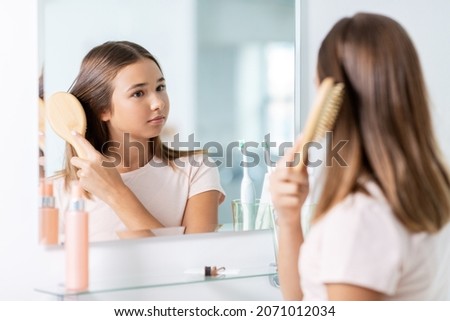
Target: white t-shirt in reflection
[(360, 242), (162, 189)]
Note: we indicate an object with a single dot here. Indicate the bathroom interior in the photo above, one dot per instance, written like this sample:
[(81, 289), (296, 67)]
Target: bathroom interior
[(236, 70)]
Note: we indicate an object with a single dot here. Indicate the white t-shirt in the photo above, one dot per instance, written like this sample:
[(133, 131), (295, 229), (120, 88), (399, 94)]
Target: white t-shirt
[(162, 189), (360, 242)]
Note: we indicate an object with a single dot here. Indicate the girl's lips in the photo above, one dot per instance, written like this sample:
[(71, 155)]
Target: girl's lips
[(157, 120)]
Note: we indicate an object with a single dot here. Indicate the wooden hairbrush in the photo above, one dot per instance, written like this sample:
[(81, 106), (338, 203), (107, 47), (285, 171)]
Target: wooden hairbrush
[(322, 115), (65, 114)]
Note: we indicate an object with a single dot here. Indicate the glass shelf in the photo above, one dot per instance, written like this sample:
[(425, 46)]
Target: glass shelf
[(190, 276)]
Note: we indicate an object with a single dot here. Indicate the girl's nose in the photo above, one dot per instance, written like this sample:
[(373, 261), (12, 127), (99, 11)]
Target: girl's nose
[(156, 103)]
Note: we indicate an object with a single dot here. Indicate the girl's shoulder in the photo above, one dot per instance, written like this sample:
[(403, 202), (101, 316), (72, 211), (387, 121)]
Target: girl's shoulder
[(195, 161)]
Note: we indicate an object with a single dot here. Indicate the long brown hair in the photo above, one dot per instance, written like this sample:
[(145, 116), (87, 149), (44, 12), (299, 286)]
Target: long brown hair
[(93, 88), (386, 120)]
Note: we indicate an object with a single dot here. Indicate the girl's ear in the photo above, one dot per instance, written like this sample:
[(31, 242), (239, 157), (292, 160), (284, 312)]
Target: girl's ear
[(105, 116)]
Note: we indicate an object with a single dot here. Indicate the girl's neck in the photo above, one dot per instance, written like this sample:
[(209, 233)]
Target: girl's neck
[(129, 154)]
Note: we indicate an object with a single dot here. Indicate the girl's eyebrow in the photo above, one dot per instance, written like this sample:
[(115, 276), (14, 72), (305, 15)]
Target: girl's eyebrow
[(137, 86), (143, 84)]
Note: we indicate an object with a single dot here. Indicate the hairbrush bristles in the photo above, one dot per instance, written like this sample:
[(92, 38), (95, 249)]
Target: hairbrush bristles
[(322, 116), (329, 111)]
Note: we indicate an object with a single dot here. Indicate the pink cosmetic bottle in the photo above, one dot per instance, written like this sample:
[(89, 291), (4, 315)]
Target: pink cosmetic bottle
[(77, 242), (48, 215)]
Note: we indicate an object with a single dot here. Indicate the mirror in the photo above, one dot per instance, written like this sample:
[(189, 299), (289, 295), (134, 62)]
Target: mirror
[(229, 67)]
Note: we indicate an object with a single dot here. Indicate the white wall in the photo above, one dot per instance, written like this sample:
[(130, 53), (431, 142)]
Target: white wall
[(427, 22), (18, 161)]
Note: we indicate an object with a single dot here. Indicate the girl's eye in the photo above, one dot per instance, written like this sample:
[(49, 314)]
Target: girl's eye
[(138, 94), (161, 88)]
